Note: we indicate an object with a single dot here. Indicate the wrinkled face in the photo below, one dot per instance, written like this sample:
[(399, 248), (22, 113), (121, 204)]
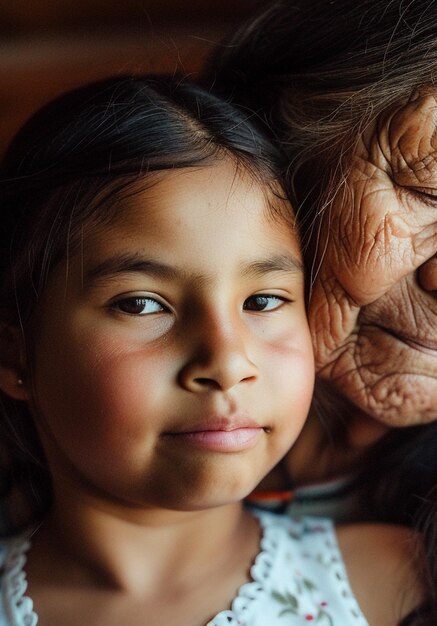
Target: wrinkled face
[(173, 360), (374, 306)]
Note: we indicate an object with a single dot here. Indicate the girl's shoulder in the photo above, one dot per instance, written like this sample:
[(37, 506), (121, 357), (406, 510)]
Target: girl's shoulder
[(385, 569), (15, 608)]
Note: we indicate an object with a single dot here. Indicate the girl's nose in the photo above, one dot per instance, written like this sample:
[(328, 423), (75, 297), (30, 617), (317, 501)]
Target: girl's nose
[(427, 274), (219, 362)]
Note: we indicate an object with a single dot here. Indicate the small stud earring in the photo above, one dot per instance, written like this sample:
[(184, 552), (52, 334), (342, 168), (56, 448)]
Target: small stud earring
[(20, 382)]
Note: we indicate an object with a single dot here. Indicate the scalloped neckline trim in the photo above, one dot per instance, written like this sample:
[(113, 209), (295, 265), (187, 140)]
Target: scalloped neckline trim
[(259, 573), (19, 606)]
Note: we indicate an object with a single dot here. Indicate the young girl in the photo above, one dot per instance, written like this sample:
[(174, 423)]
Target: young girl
[(155, 365)]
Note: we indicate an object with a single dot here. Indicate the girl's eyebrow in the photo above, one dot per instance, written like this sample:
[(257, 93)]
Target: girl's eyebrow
[(280, 263), (126, 263)]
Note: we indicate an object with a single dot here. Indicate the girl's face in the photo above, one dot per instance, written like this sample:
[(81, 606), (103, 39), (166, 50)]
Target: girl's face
[(172, 360)]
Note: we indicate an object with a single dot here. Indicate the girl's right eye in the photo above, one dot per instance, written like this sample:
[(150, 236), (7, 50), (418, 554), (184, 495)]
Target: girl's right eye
[(138, 305)]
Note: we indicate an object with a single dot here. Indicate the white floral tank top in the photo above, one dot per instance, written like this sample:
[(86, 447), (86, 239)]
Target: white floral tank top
[(297, 579)]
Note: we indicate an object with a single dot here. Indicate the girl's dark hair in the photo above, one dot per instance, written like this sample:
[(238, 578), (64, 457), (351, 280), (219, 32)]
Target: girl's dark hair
[(320, 72), (69, 167)]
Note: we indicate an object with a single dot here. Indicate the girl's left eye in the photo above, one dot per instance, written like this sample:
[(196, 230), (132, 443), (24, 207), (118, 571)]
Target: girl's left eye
[(263, 302), (138, 305)]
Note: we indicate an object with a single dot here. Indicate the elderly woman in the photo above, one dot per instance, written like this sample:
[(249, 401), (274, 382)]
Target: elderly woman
[(350, 89)]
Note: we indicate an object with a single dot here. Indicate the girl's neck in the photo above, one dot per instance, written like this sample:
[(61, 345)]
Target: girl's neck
[(88, 543)]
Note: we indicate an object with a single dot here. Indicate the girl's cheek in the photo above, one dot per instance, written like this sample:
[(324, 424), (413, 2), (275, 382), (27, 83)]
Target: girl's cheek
[(292, 362), (287, 340), (98, 377), (128, 388)]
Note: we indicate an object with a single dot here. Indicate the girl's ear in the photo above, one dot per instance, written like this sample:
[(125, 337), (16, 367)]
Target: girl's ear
[(12, 363)]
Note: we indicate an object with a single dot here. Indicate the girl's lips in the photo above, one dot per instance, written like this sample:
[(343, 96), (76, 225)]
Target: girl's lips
[(235, 440)]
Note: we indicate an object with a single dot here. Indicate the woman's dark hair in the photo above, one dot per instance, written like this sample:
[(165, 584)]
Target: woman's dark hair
[(320, 72), (69, 167)]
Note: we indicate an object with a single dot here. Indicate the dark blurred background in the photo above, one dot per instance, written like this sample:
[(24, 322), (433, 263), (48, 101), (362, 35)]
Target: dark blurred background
[(49, 46)]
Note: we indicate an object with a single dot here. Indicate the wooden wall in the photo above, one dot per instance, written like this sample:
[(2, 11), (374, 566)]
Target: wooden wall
[(49, 46)]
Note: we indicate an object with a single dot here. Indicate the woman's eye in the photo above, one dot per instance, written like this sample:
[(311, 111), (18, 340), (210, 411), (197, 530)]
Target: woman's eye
[(427, 194), (263, 302), (138, 305)]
